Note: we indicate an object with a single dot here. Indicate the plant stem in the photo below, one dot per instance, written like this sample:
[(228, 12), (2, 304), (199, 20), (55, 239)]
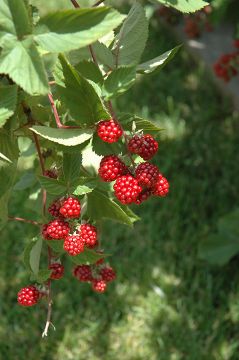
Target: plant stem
[(98, 3), (24, 220), (54, 109)]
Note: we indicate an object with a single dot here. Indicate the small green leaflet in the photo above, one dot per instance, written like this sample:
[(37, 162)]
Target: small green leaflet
[(67, 30), (157, 63), (66, 137), (103, 54), (130, 120), (85, 187), (119, 81), (32, 255), (52, 186), (185, 6), (8, 146), (56, 245), (71, 168), (8, 101), (87, 257), (14, 18), (90, 71)]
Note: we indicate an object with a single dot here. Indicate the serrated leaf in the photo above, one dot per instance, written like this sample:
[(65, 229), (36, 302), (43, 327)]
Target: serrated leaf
[(28, 71), (52, 186), (8, 147), (147, 126), (87, 257), (26, 181), (103, 54), (67, 30), (90, 71), (56, 245), (86, 187), (131, 40), (71, 167), (119, 81), (100, 206), (69, 149), (129, 212), (157, 63), (8, 101), (7, 175), (43, 275), (185, 6), (14, 18), (102, 148), (32, 255), (66, 137), (80, 97)]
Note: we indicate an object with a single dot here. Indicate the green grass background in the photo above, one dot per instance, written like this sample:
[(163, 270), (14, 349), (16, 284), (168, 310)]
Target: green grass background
[(166, 304)]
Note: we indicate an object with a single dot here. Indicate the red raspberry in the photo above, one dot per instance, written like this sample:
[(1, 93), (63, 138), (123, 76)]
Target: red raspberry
[(88, 234), (146, 174), (70, 208), (143, 196), (74, 245), (108, 274), (57, 271), (111, 167), (83, 272), (28, 296), (54, 208), (93, 246), (236, 43), (109, 131), (145, 146), (161, 187), (126, 189), (45, 233), (58, 229), (99, 285), (51, 174)]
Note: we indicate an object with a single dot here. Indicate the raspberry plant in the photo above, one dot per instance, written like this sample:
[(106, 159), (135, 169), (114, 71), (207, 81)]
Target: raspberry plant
[(59, 74)]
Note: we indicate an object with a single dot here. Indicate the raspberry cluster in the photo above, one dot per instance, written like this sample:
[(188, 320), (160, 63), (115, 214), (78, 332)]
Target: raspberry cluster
[(111, 167), (57, 271), (109, 131), (98, 274), (145, 146), (226, 67), (28, 296)]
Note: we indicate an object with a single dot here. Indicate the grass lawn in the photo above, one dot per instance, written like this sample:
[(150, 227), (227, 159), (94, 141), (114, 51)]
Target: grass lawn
[(166, 304)]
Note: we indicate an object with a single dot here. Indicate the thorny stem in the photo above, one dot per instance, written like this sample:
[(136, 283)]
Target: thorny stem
[(24, 220)]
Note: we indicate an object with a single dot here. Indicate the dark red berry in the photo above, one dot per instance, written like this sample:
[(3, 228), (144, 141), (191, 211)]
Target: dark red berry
[(108, 274), (145, 146), (58, 229), (99, 285), (28, 296), (109, 131), (57, 271), (83, 272), (111, 167), (74, 245), (54, 208), (161, 188), (88, 234), (51, 174), (127, 189), (44, 232), (146, 174), (70, 208), (143, 196)]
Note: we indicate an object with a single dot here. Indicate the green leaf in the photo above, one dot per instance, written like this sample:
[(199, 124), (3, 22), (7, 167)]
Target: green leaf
[(90, 71), (67, 30), (80, 97), (85, 187), (56, 245), (128, 121), (8, 101), (69, 149), (28, 71), (43, 275), (66, 137), (87, 257), (32, 255), (26, 181), (7, 178), (52, 186), (131, 40), (71, 167), (157, 63), (100, 206), (102, 148), (14, 18), (185, 6), (119, 81), (103, 54), (8, 147)]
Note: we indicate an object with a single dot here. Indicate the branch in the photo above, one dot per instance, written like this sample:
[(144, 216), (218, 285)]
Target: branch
[(25, 220), (98, 3), (54, 109)]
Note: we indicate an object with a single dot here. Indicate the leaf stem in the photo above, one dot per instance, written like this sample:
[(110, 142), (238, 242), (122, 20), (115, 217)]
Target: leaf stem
[(24, 220)]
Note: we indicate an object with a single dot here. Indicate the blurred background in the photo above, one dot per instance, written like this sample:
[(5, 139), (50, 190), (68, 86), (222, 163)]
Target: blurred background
[(177, 292)]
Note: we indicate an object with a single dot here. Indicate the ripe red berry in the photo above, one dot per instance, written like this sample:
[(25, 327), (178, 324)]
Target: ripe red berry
[(58, 229), (88, 234), (111, 167), (28, 296), (44, 232), (74, 245), (54, 208), (57, 271), (70, 208), (83, 272), (147, 174), (109, 131), (145, 146), (99, 285), (143, 196), (161, 188), (126, 189), (108, 274), (51, 174)]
